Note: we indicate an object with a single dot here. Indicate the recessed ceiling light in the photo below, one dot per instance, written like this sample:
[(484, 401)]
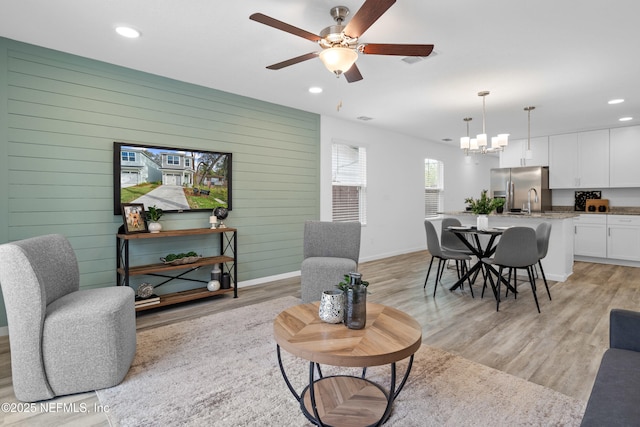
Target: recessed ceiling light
[(315, 89), (625, 119), (128, 32), (616, 101)]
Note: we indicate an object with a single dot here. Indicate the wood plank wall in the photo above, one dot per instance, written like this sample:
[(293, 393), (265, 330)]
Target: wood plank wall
[(63, 114)]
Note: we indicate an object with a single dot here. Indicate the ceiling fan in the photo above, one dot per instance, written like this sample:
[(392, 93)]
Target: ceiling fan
[(339, 42)]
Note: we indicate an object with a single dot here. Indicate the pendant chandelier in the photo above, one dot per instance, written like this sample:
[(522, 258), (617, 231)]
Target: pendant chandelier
[(480, 142)]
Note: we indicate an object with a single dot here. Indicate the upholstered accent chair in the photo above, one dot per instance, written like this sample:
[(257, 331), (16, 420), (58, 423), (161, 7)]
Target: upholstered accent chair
[(331, 250), (63, 340)]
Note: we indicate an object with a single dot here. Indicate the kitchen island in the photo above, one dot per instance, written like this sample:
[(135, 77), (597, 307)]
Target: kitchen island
[(558, 264)]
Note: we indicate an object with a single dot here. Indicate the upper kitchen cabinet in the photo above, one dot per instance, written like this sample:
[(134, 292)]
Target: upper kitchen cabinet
[(624, 154), (514, 154), (579, 160)]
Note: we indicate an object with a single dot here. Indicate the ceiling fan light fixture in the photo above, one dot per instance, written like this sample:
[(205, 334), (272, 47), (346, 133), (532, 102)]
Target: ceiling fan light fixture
[(338, 59)]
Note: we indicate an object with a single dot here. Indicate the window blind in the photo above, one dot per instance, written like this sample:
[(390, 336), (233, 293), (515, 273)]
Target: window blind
[(349, 180), (433, 187)]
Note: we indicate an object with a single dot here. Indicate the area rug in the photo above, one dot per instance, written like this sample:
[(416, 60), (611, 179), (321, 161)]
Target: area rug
[(222, 370)]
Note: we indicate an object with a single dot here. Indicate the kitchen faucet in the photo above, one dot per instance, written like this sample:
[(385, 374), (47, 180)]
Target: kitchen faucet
[(535, 200)]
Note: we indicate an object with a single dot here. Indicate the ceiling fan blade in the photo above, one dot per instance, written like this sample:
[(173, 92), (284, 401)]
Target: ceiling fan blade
[(397, 49), (279, 25), (369, 13), (293, 61), (353, 74)]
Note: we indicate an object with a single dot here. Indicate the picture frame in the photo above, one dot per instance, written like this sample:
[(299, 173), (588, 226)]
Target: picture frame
[(134, 218)]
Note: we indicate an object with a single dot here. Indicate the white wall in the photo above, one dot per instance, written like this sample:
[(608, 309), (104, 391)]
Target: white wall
[(395, 183)]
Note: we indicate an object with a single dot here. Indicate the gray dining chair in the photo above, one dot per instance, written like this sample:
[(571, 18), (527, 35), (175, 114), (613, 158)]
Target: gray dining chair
[(517, 249), (543, 233), (436, 251), (452, 243)]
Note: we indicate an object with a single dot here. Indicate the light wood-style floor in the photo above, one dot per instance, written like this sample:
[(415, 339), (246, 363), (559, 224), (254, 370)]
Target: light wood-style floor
[(559, 348)]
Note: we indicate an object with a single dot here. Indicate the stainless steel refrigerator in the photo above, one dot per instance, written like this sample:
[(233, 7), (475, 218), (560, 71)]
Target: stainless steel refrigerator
[(519, 186)]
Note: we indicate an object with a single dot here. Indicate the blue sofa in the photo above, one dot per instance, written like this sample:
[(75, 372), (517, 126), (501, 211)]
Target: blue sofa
[(615, 397)]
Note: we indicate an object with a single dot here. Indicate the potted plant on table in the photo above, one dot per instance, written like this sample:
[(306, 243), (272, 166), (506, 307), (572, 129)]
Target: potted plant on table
[(355, 298), (483, 207), (153, 216)]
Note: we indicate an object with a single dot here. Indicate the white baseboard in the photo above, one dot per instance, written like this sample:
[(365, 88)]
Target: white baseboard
[(4, 331), (261, 280), (610, 261), (391, 254)]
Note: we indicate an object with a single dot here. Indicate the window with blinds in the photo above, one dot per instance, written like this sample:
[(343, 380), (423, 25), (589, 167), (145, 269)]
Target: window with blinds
[(433, 187), (349, 182)]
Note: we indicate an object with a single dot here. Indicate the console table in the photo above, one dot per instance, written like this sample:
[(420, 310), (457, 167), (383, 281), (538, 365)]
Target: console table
[(388, 337), (227, 257)]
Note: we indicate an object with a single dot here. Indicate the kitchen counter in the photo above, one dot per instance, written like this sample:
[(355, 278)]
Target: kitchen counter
[(613, 210), (519, 215)]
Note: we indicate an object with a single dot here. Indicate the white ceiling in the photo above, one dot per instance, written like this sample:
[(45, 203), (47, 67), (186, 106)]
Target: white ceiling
[(565, 57)]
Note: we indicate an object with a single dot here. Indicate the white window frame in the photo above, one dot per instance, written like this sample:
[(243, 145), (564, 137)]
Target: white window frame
[(349, 182), (127, 156), (433, 187)]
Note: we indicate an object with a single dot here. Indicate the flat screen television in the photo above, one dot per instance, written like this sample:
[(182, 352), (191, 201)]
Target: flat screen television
[(172, 179)]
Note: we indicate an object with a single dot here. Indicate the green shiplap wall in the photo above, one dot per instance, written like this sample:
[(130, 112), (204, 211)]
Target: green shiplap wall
[(59, 117)]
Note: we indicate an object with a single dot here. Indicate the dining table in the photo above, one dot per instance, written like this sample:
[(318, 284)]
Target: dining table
[(470, 236)]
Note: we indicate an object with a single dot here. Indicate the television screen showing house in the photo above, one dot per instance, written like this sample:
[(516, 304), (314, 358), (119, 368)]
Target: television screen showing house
[(172, 179)]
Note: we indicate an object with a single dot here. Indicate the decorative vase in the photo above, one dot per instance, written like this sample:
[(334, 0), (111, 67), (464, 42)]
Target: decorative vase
[(154, 227), (483, 222), (355, 311), (331, 308), (225, 281), (213, 285)]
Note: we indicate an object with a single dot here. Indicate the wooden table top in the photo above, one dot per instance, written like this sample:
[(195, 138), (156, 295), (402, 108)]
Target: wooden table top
[(389, 336)]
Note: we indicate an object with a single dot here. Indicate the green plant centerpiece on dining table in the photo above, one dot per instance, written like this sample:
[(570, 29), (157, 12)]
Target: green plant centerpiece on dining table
[(355, 297), (483, 207)]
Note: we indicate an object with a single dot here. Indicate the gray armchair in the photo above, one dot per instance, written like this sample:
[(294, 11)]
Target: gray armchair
[(331, 250), (63, 340)]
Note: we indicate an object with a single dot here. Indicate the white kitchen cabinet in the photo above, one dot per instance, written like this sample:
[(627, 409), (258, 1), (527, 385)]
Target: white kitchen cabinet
[(563, 160), (514, 154), (579, 160), (623, 237), (590, 235), (624, 152)]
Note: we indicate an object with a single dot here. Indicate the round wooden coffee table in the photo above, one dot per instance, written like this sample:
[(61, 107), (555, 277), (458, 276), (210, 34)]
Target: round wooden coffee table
[(388, 337)]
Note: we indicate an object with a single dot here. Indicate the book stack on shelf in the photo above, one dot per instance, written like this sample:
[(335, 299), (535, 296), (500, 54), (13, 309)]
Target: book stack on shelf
[(144, 302)]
